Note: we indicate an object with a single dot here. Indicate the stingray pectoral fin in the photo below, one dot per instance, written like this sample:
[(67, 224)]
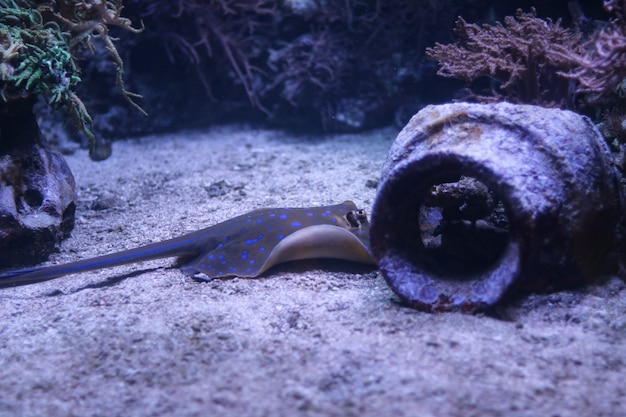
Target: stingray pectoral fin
[(320, 241)]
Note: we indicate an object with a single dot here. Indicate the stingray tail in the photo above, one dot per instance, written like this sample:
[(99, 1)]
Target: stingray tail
[(25, 276), (182, 246)]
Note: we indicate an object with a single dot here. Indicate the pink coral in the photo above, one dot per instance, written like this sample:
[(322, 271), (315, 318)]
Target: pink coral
[(523, 56), (602, 65)]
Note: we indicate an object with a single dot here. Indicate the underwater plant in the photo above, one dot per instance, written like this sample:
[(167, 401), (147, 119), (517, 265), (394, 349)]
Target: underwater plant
[(38, 39), (601, 64), (600, 73), (225, 30), (329, 64), (537, 61), (35, 59), (357, 61), (523, 57)]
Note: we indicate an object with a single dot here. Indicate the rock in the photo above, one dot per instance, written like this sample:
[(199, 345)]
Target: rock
[(37, 189)]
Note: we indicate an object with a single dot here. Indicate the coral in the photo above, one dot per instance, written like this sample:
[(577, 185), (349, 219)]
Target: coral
[(216, 30), (524, 56), (36, 58), (353, 51), (293, 61), (84, 19), (601, 64), (312, 67), (38, 39)]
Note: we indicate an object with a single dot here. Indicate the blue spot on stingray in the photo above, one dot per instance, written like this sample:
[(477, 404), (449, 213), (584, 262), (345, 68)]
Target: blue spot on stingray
[(279, 228), (269, 227), (220, 256), (220, 246), (211, 256), (232, 268), (326, 213), (334, 220), (248, 220), (252, 261), (272, 214), (259, 221), (310, 214), (262, 249), (255, 240), (282, 216), (224, 262), (227, 238), (249, 270), (280, 237), (296, 224), (244, 254)]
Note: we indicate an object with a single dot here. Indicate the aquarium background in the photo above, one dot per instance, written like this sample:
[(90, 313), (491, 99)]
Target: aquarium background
[(316, 65)]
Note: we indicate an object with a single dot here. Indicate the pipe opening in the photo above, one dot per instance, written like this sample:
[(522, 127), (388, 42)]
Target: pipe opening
[(463, 227)]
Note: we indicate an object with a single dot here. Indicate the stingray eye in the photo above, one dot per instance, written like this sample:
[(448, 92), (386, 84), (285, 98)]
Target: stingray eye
[(356, 218)]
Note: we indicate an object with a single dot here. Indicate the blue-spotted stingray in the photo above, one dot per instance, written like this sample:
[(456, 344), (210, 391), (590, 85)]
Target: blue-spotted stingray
[(244, 246)]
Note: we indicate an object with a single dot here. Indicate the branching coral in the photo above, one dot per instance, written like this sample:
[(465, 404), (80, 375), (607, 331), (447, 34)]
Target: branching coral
[(296, 60), (319, 67), (601, 75), (523, 55), (352, 52), (36, 41), (601, 65), (363, 53), (91, 18), (35, 58), (315, 62), (217, 29)]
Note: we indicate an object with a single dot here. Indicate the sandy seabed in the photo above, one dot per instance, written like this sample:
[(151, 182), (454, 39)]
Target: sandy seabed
[(316, 338)]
